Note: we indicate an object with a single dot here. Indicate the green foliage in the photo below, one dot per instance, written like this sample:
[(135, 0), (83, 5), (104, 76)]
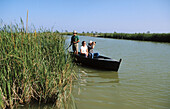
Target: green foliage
[(158, 37), (33, 67)]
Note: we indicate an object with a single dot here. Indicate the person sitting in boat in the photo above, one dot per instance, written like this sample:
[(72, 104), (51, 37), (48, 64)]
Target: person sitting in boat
[(91, 45), (83, 49)]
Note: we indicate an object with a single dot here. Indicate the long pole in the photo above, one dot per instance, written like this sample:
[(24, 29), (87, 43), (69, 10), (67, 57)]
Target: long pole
[(27, 23)]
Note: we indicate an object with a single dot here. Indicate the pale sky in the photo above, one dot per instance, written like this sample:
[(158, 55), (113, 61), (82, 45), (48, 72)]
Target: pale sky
[(127, 16)]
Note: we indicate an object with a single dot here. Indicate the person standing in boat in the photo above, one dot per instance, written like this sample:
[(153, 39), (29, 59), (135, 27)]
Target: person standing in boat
[(74, 42), (83, 49), (91, 45)]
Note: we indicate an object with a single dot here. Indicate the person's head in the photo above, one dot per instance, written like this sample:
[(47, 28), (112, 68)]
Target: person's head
[(83, 43), (74, 32), (91, 42)]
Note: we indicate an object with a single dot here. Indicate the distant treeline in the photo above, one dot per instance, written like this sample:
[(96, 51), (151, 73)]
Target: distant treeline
[(157, 37)]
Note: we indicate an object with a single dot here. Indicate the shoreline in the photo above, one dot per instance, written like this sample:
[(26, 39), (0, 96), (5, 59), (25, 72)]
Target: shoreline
[(154, 37)]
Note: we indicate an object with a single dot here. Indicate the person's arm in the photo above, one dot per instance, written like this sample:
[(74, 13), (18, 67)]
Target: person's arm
[(87, 51), (77, 40), (93, 45), (81, 50)]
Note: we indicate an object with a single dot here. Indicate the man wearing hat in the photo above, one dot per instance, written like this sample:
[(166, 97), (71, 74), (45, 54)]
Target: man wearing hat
[(74, 41), (91, 45)]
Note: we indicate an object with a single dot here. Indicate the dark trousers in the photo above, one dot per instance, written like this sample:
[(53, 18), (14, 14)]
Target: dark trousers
[(91, 55)]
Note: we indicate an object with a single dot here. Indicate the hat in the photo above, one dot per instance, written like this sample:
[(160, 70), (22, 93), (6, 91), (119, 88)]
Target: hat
[(91, 41), (74, 31)]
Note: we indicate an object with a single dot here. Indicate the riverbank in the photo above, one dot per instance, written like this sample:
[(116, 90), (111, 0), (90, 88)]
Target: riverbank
[(34, 67), (156, 37)]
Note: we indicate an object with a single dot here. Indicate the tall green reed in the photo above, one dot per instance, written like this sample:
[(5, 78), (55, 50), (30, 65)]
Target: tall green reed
[(34, 67)]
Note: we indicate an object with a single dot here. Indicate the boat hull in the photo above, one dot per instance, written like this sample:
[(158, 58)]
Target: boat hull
[(101, 62)]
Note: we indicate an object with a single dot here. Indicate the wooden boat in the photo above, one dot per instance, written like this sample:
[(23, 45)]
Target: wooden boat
[(100, 62)]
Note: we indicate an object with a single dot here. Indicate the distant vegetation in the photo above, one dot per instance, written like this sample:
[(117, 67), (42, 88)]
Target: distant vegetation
[(158, 37), (33, 67)]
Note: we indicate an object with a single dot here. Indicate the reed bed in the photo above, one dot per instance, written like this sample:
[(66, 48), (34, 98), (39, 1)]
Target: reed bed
[(34, 67), (156, 37)]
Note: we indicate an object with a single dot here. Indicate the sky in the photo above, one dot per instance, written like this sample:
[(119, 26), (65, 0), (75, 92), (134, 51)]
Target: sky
[(121, 16)]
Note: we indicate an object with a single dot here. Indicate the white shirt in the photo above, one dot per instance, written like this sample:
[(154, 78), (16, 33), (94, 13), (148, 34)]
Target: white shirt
[(83, 49)]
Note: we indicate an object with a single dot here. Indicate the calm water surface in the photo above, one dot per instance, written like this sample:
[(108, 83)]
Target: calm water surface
[(142, 82)]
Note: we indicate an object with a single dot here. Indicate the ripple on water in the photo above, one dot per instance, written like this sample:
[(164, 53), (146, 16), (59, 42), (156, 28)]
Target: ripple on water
[(141, 83)]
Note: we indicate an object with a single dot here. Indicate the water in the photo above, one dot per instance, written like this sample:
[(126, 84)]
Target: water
[(142, 82)]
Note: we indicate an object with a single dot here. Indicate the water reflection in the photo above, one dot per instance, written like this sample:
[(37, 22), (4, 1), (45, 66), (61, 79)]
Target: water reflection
[(92, 78), (92, 85), (98, 74)]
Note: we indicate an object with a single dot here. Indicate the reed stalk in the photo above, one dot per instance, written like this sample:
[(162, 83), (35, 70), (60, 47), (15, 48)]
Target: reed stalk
[(27, 23), (38, 69)]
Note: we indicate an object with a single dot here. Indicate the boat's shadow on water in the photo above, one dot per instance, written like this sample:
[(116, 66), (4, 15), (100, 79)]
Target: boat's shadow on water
[(104, 76)]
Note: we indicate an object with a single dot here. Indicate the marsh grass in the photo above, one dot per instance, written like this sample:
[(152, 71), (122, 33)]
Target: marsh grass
[(156, 37), (34, 67)]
